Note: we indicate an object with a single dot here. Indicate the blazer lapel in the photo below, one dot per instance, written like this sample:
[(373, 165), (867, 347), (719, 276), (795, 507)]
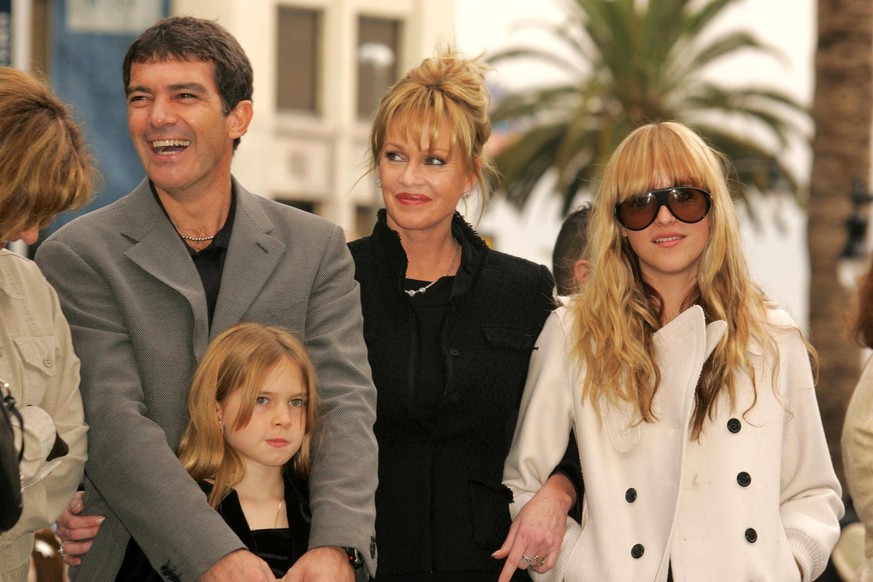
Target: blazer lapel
[(252, 256), (158, 251)]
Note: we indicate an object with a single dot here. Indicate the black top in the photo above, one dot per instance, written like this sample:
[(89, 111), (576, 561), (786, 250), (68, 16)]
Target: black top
[(210, 260), (445, 418), (280, 548), (430, 310)]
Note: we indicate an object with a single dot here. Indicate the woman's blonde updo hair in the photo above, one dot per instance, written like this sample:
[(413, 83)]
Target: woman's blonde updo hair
[(444, 87)]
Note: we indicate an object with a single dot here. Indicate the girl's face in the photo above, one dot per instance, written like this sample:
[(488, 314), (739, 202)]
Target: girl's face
[(276, 429), (669, 251), (421, 182)]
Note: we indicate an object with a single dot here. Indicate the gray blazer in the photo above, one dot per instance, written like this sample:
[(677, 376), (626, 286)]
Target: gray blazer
[(137, 310)]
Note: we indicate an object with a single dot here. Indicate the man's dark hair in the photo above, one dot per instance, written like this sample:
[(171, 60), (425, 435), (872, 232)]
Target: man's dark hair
[(569, 248), (187, 38)]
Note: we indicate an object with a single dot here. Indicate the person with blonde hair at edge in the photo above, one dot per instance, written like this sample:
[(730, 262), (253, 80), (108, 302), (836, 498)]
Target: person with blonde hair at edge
[(691, 395), (44, 169), (857, 440)]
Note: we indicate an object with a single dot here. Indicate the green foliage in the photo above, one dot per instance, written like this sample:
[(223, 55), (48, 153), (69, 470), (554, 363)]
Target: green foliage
[(632, 61)]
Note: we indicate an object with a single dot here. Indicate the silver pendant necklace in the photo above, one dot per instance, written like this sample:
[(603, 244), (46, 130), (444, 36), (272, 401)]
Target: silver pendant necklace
[(414, 292)]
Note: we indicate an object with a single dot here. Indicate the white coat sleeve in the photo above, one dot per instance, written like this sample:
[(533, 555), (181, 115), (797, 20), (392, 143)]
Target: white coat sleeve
[(544, 422), (810, 497)]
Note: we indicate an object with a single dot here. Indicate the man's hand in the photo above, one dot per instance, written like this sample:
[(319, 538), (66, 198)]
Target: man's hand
[(535, 537), (76, 531), (324, 564), (239, 565)]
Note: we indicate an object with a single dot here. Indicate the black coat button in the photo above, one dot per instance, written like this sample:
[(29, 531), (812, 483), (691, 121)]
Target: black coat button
[(455, 397), (734, 425), (744, 479), (630, 495), (454, 352), (637, 551), (751, 535)]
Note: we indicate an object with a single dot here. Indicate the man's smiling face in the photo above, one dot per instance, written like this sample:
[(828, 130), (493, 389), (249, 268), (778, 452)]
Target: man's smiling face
[(177, 125)]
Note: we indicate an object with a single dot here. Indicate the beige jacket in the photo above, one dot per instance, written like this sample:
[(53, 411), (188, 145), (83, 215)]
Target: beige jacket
[(38, 362), (755, 498), (857, 448)]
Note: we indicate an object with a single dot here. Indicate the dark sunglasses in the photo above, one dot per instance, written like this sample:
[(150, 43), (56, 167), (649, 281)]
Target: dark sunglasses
[(685, 203)]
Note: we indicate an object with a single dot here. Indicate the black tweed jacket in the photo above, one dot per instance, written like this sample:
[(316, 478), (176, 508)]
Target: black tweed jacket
[(440, 505)]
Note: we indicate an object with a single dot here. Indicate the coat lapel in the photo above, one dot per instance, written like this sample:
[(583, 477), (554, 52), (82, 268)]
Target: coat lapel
[(252, 257), (158, 251)]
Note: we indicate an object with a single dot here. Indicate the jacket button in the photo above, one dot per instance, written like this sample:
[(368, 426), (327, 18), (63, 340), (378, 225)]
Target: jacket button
[(734, 425), (630, 495), (454, 397), (744, 479), (751, 535), (637, 551), (454, 352)]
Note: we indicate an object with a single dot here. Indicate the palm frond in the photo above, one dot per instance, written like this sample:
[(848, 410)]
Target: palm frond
[(632, 61)]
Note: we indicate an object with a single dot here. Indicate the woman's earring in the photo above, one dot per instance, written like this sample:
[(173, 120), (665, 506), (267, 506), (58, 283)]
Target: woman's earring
[(466, 195), (378, 182)]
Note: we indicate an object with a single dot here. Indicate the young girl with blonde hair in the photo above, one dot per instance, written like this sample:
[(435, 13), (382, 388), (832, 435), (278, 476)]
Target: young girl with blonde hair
[(253, 408), (691, 395)]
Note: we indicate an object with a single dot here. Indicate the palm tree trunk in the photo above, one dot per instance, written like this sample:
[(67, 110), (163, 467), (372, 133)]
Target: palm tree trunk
[(842, 111)]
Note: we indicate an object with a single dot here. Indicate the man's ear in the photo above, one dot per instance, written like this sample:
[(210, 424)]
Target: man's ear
[(239, 118)]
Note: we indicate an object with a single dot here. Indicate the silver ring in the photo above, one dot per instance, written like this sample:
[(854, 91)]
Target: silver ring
[(526, 559), (538, 561), (62, 551)]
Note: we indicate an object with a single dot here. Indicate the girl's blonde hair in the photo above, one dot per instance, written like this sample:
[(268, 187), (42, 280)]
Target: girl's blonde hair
[(617, 313), (446, 88), (240, 358)]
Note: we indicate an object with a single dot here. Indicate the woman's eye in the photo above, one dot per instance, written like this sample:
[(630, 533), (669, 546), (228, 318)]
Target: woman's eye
[(393, 157), (434, 161), (262, 400), (297, 403)]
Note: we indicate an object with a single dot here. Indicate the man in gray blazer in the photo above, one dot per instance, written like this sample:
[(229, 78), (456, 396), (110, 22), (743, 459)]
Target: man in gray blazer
[(147, 282)]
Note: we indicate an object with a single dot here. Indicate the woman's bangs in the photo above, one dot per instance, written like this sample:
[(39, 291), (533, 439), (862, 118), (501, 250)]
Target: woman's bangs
[(658, 160)]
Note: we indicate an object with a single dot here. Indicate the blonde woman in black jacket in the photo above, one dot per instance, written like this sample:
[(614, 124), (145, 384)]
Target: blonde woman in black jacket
[(449, 326)]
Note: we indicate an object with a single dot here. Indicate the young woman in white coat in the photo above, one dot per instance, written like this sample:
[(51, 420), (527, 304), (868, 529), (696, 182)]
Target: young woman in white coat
[(691, 395)]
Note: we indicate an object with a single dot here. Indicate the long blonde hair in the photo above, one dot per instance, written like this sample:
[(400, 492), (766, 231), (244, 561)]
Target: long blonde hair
[(444, 87), (617, 313), (240, 358)]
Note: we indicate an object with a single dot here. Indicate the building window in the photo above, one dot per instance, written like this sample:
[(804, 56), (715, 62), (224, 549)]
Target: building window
[(297, 59), (378, 44)]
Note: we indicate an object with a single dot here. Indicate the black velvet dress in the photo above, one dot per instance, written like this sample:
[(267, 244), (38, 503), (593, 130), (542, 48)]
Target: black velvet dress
[(280, 548)]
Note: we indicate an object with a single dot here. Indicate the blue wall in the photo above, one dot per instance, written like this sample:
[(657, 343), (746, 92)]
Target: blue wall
[(86, 72)]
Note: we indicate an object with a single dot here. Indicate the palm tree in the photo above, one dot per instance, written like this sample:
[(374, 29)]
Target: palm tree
[(630, 61), (843, 112)]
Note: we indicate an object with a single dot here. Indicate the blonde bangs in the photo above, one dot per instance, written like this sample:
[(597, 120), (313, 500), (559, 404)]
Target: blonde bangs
[(415, 113), (653, 159)]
